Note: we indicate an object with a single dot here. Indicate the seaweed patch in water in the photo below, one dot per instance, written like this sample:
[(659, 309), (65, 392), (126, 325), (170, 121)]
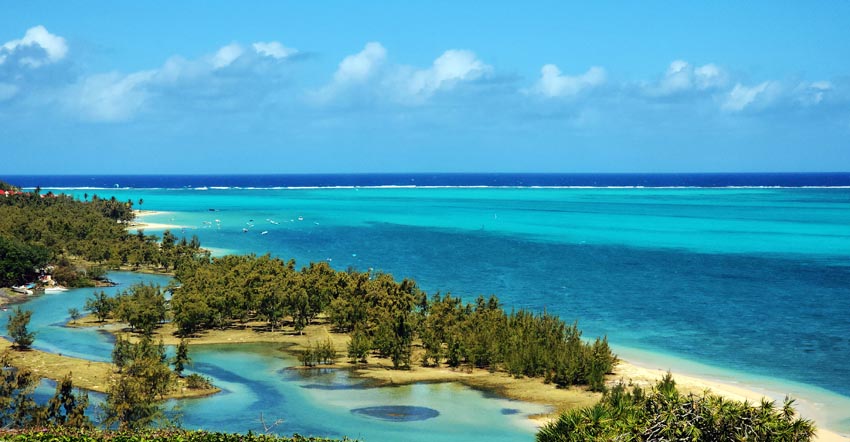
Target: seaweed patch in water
[(398, 413), (333, 386)]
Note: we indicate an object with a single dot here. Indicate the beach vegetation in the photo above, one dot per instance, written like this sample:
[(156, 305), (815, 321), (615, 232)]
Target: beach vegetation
[(319, 353), (195, 381), (358, 347), (135, 394), (79, 240), (19, 261), (142, 306), (387, 317), (74, 313), (663, 413), (22, 338), (18, 408), (181, 357), (101, 305), (64, 434)]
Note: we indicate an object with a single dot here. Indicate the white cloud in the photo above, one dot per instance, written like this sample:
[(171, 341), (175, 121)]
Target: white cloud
[(226, 55), (273, 49), (682, 77), (378, 80), (553, 83), (362, 65), (55, 48), (742, 97), (709, 76), (450, 67)]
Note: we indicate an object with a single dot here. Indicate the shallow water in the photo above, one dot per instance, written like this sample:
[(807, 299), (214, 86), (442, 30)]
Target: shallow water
[(754, 283)]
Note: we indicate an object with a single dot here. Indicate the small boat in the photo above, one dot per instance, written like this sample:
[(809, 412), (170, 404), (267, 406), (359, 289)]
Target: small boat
[(244, 230), (300, 218), (264, 232), (19, 289), (55, 289)]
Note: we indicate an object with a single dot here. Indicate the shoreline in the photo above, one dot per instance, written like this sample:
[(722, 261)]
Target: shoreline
[(140, 224)]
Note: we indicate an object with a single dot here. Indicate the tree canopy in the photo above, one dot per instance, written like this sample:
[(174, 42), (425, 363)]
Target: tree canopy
[(79, 238)]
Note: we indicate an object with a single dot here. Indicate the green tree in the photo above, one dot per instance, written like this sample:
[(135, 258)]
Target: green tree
[(22, 338), (19, 260), (101, 305), (74, 313), (181, 357), (359, 346), (143, 307), (134, 397), (121, 353), (17, 407), (67, 407)]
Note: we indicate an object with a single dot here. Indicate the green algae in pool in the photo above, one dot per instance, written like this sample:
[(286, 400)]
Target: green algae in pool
[(398, 413)]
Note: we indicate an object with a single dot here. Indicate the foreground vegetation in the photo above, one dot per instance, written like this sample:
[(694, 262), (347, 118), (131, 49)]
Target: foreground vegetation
[(664, 414), (60, 434)]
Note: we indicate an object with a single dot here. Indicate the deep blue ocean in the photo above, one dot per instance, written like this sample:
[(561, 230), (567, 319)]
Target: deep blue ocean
[(439, 179), (743, 278)]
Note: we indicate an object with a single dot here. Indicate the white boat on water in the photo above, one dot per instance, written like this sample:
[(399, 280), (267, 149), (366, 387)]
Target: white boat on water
[(22, 290), (55, 289)]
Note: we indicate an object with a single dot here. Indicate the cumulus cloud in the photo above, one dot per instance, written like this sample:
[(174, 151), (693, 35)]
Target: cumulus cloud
[(37, 48), (448, 69), (226, 55), (273, 49), (362, 65), (553, 83), (377, 79), (681, 77)]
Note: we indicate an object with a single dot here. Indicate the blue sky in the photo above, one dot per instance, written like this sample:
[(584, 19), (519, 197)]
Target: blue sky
[(299, 87)]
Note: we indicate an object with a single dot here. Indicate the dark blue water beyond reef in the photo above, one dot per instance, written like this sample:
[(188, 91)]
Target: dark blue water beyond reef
[(437, 179)]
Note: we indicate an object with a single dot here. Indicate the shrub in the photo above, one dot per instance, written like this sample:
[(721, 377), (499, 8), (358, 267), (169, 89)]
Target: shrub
[(197, 382)]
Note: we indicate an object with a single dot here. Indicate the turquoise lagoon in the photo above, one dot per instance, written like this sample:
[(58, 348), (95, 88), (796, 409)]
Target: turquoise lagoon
[(742, 285)]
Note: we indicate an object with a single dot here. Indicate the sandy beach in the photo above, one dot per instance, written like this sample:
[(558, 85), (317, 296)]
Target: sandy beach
[(140, 224)]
